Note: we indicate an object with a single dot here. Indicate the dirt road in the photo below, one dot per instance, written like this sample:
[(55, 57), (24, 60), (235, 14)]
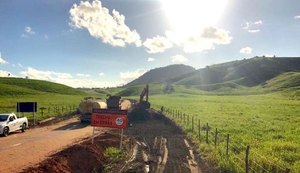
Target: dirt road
[(153, 144), (163, 147), (20, 150)]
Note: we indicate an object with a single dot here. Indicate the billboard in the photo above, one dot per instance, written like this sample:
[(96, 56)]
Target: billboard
[(110, 118), (26, 106)]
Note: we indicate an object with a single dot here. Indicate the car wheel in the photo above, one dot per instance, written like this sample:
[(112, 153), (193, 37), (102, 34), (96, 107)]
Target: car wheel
[(23, 127), (5, 131)]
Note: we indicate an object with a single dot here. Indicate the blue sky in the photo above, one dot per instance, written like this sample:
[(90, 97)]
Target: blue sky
[(111, 42)]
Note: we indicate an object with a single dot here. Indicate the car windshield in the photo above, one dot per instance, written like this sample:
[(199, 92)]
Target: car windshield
[(3, 117)]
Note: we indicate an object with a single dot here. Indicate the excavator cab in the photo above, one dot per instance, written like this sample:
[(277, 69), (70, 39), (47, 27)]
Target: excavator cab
[(113, 102)]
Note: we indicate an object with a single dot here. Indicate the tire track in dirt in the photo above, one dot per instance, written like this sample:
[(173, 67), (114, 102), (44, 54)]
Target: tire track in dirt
[(165, 146)]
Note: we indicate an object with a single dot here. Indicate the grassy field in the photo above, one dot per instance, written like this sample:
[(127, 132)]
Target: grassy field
[(57, 99), (55, 104), (269, 123)]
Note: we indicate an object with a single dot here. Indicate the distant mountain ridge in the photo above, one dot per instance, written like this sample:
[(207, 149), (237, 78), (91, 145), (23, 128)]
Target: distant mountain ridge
[(247, 72), (162, 74)]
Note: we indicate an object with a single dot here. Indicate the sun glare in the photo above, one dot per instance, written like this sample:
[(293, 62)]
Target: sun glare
[(186, 16)]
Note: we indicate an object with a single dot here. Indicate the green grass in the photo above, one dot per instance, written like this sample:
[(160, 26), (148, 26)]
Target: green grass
[(68, 103), (17, 86), (285, 80), (157, 89), (269, 123), (56, 98), (113, 155)]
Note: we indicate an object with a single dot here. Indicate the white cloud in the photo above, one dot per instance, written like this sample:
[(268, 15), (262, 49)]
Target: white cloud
[(205, 39), (259, 22), (21, 66), (297, 17), (68, 79), (129, 76), (178, 59), (254, 30), (24, 36), (246, 50), (111, 28), (6, 74), (89, 83), (82, 75), (150, 59), (268, 55), (252, 27), (101, 74), (45, 75), (2, 61), (157, 44), (29, 30)]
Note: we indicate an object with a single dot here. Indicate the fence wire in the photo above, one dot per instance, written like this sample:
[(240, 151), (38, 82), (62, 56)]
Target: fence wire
[(185, 120)]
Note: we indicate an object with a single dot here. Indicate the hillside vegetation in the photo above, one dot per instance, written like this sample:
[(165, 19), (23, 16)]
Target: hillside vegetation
[(162, 74), (250, 72), (287, 84), (284, 81), (57, 99), (19, 86)]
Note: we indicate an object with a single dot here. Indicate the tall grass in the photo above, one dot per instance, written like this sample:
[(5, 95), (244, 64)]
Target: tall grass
[(269, 123)]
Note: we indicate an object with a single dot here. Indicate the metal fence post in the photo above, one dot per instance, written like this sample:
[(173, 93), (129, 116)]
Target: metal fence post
[(206, 133), (247, 159)]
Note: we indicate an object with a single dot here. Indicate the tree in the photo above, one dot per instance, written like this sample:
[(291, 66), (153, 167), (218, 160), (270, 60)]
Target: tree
[(168, 89)]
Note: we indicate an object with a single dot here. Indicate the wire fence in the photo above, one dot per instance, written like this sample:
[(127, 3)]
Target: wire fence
[(241, 155), (52, 110)]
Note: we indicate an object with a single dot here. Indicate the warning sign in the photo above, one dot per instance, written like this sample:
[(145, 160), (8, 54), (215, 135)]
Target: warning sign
[(119, 121)]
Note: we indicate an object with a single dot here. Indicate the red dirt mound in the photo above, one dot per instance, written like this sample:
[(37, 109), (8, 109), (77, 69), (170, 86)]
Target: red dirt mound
[(79, 158)]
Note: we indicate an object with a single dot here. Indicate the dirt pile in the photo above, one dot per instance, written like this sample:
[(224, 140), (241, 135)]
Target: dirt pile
[(57, 119), (79, 158)]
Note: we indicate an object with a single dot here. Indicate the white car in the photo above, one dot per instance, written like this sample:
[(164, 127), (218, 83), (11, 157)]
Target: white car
[(9, 122)]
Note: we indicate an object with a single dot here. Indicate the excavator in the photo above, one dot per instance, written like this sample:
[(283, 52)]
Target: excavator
[(135, 110), (144, 104), (139, 111)]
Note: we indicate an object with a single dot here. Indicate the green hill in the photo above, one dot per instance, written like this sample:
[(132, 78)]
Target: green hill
[(162, 74), (284, 81), (159, 88), (250, 72), (255, 75), (19, 86)]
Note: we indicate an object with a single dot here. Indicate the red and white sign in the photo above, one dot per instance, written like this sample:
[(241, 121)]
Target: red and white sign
[(109, 119)]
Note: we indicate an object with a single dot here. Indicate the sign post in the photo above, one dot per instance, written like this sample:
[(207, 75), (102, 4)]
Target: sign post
[(121, 139), (33, 108), (93, 135), (112, 118), (27, 107)]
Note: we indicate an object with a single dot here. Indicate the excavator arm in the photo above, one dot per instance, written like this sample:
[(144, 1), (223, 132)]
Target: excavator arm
[(144, 104), (144, 93)]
